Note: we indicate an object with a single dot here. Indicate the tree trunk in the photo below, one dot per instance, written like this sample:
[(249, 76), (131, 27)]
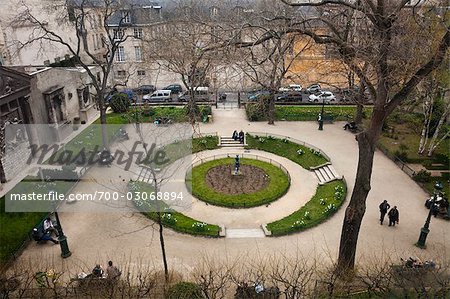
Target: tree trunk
[(163, 247), (428, 110), (359, 113), (433, 143), (271, 112), (359, 103), (102, 108), (357, 207), (2, 173)]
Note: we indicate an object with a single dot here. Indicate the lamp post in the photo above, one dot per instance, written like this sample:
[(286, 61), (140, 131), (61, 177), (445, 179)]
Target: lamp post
[(320, 119), (65, 252), (425, 229)]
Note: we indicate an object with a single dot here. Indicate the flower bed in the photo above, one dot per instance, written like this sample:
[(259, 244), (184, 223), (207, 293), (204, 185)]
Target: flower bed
[(302, 155), (169, 217), (327, 200), (277, 186)]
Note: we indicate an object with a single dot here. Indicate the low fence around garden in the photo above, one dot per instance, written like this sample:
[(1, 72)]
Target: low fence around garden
[(297, 141), (402, 165), (201, 135), (242, 156)]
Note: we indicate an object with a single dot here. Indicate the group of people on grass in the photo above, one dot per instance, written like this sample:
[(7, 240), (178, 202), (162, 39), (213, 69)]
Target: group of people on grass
[(393, 213), (238, 136)]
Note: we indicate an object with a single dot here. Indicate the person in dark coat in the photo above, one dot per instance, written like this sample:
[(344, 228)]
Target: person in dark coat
[(384, 207), (393, 216), (241, 136), (235, 135)]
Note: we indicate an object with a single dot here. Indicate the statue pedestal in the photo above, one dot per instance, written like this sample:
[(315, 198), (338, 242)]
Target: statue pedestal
[(234, 173)]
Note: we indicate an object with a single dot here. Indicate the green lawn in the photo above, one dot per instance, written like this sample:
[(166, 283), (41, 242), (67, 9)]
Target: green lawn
[(256, 112), (310, 113), (171, 218), (277, 187), (148, 114), (287, 149), (327, 200), (16, 227)]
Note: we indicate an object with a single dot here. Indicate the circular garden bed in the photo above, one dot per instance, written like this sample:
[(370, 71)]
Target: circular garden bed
[(258, 183)]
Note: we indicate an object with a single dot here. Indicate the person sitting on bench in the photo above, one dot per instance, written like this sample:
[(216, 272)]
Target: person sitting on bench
[(351, 126), (49, 228), (241, 136), (39, 235)]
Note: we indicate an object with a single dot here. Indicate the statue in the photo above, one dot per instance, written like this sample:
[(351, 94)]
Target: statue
[(237, 165)]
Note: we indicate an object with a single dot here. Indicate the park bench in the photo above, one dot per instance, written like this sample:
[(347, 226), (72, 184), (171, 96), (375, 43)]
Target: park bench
[(40, 227), (327, 118)]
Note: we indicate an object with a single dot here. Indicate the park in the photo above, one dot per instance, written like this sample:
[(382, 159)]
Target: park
[(250, 149)]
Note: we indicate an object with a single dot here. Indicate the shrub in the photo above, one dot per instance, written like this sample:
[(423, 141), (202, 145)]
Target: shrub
[(148, 112), (66, 173), (206, 110), (185, 290), (255, 112), (120, 103), (422, 176), (402, 155)]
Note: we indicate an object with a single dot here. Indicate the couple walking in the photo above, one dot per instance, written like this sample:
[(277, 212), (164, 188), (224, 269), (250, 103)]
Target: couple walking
[(393, 214)]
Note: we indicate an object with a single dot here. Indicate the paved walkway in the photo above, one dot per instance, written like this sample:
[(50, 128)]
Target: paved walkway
[(128, 237)]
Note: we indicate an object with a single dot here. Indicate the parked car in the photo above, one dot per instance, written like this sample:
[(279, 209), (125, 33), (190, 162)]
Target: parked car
[(255, 96), (201, 94), (145, 89), (163, 95), (326, 96), (292, 96), (314, 88), (128, 92), (291, 87), (175, 88)]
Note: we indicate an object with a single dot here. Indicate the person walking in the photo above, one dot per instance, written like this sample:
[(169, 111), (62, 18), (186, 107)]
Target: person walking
[(393, 216), (384, 207)]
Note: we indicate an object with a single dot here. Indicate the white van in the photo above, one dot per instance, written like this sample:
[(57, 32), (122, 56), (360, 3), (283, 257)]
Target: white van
[(162, 95)]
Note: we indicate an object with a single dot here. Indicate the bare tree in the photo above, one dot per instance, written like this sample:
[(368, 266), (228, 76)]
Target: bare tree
[(388, 24), (267, 62), (185, 48), (88, 20)]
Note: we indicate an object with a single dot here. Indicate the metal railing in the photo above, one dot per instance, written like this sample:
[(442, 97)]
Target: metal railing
[(242, 156), (400, 163), (294, 140)]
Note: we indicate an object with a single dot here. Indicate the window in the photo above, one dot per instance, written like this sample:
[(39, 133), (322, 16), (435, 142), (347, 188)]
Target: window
[(138, 32), (126, 17), (138, 53), (121, 74), (118, 33), (102, 39), (141, 73), (214, 11), (120, 54)]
